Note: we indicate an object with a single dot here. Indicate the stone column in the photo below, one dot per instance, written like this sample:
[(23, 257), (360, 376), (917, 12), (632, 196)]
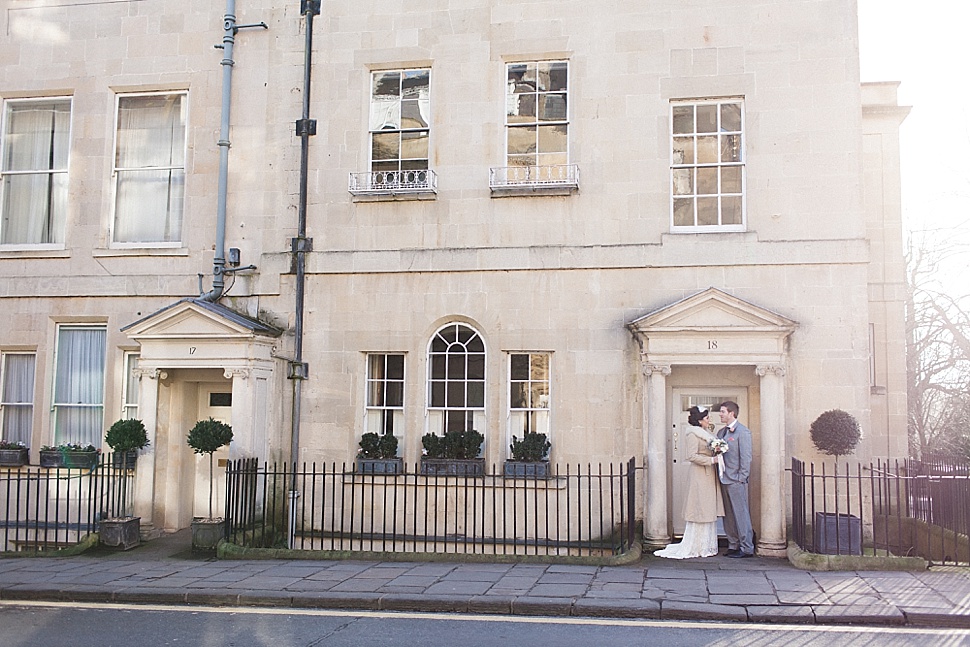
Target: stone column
[(771, 540), (144, 494), (655, 533)]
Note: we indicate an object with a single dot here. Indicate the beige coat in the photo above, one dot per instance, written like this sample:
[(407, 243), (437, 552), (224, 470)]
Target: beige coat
[(703, 503)]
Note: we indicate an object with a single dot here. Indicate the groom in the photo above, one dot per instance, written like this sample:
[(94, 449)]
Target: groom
[(734, 482)]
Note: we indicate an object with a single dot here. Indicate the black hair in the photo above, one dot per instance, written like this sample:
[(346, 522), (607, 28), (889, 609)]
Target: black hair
[(696, 414)]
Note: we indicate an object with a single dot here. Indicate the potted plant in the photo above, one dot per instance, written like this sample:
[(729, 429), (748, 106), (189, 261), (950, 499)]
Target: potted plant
[(13, 454), (126, 437), (836, 433), (529, 456), (378, 454), (205, 438), (70, 455), (454, 454)]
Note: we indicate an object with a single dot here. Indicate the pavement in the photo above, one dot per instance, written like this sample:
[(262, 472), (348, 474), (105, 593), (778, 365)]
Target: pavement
[(760, 590)]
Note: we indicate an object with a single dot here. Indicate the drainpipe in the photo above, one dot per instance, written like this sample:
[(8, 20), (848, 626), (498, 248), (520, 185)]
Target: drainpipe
[(219, 261), (299, 370)]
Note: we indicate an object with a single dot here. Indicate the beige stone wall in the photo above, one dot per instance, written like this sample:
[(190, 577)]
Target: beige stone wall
[(562, 274)]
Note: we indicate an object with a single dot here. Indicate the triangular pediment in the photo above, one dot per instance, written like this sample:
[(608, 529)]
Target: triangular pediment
[(712, 310), (195, 319)]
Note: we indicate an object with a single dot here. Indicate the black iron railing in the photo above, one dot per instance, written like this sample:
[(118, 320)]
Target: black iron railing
[(907, 508), (575, 511), (46, 508)]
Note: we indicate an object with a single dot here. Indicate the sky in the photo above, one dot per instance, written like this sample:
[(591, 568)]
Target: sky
[(925, 45)]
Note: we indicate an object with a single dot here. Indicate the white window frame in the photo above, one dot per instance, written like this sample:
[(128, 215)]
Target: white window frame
[(6, 406), (129, 385), (511, 125), (533, 411), (400, 176), (379, 415), (678, 166), (57, 407), (59, 229), (115, 172), (438, 416)]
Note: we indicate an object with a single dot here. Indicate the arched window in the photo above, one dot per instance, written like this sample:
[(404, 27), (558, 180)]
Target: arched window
[(456, 380)]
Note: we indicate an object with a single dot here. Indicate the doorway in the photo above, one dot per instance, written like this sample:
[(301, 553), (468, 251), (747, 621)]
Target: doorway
[(215, 401), (682, 399)]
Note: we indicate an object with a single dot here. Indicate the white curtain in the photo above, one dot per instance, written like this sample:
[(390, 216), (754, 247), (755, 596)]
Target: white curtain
[(150, 163), (18, 397), (36, 142), (79, 386)]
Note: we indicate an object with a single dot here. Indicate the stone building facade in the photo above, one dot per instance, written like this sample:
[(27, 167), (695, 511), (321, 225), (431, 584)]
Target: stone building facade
[(564, 217)]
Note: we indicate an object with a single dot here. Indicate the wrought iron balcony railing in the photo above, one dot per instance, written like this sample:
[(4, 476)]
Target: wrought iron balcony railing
[(558, 176), (393, 182)]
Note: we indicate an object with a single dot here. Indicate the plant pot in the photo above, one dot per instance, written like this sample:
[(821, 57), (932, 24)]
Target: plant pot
[(848, 534), (51, 458), (527, 469), (380, 465), (81, 460), (125, 460), (206, 534), (453, 466), (14, 457), (123, 532)]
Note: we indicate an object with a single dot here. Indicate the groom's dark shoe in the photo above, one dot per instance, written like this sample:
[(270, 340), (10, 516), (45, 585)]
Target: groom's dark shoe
[(739, 555), (733, 552)]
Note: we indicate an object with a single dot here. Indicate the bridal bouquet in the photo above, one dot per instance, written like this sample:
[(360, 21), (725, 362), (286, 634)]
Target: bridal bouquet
[(718, 447)]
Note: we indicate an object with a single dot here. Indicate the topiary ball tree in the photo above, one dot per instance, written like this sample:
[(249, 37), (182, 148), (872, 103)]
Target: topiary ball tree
[(205, 438), (835, 433), (127, 435)]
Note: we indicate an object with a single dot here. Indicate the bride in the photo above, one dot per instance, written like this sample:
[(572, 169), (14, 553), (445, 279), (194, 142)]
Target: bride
[(703, 503)]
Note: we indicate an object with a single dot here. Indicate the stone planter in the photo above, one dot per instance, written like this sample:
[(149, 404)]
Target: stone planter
[(14, 457), (123, 532), (78, 460), (453, 466), (125, 460), (380, 465), (206, 534), (849, 534), (527, 469)]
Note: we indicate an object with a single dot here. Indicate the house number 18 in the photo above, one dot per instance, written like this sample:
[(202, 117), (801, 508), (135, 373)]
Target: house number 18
[(711, 344)]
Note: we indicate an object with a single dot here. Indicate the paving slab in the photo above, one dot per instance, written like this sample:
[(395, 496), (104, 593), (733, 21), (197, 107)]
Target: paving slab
[(787, 614), (679, 610)]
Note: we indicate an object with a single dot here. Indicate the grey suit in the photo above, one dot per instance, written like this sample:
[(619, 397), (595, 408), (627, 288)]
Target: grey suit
[(734, 487)]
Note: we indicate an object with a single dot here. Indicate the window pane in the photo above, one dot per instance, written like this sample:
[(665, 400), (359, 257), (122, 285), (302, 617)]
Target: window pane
[(476, 394), (731, 117), (552, 107), (521, 109), (683, 181), (683, 119), (731, 148), (519, 367), (706, 118), (37, 135), (552, 76), (522, 77), (149, 206), (395, 367), (385, 146), (456, 367), (706, 211), (476, 366), (79, 385), (518, 398), (17, 372), (151, 131), (394, 394), (522, 160), (375, 393), (456, 394), (731, 179), (414, 145), (683, 212), (415, 165), (731, 210), (540, 367), (552, 139), (707, 150), (412, 115), (683, 150), (522, 139), (539, 395), (34, 208), (437, 394), (707, 181)]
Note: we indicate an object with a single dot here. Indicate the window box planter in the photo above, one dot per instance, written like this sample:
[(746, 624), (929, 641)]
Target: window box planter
[(380, 465), (59, 458), (14, 457), (123, 532), (527, 469), (453, 466), (848, 533)]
